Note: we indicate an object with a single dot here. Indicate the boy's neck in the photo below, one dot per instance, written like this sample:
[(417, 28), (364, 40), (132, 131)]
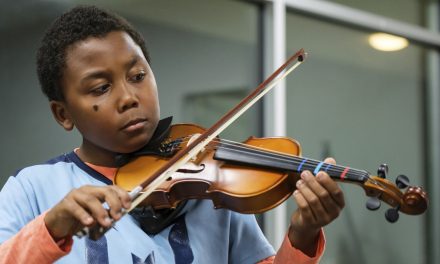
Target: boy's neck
[(96, 156)]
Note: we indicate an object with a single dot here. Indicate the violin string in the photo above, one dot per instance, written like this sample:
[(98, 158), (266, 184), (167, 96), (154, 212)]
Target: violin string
[(295, 160), (244, 148), (290, 159)]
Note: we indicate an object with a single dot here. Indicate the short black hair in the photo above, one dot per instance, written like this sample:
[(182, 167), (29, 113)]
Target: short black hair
[(75, 25)]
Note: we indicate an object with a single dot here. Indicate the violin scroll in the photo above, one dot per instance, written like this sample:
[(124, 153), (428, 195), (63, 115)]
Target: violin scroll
[(416, 200), (413, 201)]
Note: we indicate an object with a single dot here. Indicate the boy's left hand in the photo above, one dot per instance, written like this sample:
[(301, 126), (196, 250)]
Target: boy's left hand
[(319, 200)]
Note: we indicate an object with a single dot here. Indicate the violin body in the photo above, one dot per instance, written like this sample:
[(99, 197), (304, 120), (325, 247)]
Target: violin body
[(239, 188)]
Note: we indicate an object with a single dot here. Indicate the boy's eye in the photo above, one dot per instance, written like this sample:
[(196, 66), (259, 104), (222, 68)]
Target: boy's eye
[(138, 77), (101, 89)]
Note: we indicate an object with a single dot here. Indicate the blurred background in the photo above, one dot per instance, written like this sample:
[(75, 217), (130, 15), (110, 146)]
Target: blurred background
[(362, 104)]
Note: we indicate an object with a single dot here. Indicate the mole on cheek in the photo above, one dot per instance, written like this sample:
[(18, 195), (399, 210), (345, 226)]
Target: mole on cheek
[(95, 107)]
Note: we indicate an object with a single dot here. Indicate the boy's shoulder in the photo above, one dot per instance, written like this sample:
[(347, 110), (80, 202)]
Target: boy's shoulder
[(44, 166), (65, 167)]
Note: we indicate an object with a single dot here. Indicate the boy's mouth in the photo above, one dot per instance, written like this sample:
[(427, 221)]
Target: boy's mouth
[(134, 125)]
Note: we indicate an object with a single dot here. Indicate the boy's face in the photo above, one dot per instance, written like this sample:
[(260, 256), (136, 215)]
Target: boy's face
[(110, 94)]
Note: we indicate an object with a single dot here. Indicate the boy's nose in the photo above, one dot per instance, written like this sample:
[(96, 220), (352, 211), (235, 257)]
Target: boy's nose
[(127, 98)]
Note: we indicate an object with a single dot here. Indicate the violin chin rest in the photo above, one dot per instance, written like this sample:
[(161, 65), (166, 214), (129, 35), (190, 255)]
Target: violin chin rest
[(153, 221)]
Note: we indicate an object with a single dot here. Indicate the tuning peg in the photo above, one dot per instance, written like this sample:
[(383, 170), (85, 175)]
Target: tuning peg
[(382, 171), (373, 203), (402, 181), (392, 215)]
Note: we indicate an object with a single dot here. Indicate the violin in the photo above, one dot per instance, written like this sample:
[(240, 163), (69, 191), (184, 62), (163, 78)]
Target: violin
[(254, 176), (250, 177)]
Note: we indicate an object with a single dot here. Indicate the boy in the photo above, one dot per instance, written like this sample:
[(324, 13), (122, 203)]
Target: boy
[(94, 69)]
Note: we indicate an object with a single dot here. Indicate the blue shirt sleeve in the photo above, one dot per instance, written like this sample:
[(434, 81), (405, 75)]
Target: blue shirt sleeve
[(16, 209)]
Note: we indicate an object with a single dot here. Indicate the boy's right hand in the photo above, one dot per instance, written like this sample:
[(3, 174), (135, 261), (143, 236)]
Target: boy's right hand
[(84, 207)]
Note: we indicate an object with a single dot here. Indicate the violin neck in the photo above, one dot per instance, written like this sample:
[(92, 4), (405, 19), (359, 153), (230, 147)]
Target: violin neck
[(236, 154)]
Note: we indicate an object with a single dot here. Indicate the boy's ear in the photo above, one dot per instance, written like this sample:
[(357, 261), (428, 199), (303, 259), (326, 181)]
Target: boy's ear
[(61, 114)]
